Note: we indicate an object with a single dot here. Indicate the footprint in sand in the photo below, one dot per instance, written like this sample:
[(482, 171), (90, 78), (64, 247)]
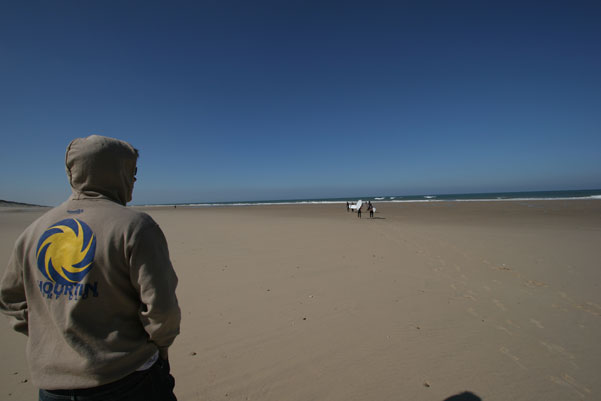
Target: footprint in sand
[(566, 297), (514, 358), (558, 349), (535, 284), (472, 312), (505, 329), (537, 323), (499, 305), (470, 297), (570, 382), (591, 308)]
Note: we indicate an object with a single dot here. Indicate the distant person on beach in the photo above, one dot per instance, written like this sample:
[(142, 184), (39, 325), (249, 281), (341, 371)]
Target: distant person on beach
[(92, 286), (359, 211), (371, 209), (347, 206)]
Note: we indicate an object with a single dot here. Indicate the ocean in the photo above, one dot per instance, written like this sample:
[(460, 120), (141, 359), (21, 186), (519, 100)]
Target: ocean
[(491, 196)]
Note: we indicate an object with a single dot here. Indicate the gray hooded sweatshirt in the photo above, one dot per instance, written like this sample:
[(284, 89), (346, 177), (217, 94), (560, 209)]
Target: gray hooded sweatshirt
[(90, 282)]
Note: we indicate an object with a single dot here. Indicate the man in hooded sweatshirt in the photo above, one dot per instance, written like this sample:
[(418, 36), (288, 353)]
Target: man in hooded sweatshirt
[(91, 284)]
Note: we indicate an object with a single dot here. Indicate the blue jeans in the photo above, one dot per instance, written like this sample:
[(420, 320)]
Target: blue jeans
[(153, 384)]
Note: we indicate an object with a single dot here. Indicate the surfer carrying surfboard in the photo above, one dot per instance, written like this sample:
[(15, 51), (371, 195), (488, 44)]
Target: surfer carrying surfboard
[(371, 209)]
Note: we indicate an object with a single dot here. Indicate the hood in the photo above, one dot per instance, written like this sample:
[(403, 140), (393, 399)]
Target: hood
[(101, 167)]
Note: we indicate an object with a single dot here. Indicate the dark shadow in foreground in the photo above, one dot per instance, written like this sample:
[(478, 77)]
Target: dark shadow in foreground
[(465, 396)]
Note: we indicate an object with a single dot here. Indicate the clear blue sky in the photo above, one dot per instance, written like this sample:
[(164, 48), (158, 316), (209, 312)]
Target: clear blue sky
[(249, 100)]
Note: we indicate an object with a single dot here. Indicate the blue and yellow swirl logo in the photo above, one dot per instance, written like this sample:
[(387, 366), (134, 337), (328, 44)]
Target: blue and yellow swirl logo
[(65, 252)]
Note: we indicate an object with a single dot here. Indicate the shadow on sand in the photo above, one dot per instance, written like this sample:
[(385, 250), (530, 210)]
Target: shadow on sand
[(465, 396)]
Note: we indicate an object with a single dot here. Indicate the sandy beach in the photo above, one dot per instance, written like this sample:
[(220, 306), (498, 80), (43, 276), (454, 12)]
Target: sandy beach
[(424, 302)]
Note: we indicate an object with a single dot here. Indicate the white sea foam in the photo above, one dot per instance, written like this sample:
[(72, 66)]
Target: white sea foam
[(417, 200)]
